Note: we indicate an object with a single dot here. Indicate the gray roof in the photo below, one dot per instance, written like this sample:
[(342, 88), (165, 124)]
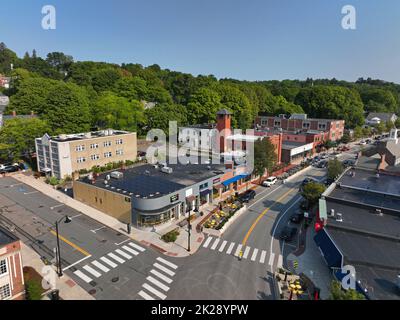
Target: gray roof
[(6, 237), (224, 112), (381, 115)]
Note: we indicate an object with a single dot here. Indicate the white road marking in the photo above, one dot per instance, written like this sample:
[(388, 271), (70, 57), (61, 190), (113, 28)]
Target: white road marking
[(254, 256), (230, 248), (170, 264), (263, 255), (92, 271), (57, 206), (83, 276), (32, 192), (271, 258), (145, 296), (161, 276), (222, 246), (239, 247), (214, 246), (76, 216), (117, 244), (75, 263), (280, 261), (157, 283), (246, 252), (205, 245), (137, 247), (94, 230), (102, 267), (134, 252), (154, 291), (124, 254), (162, 268), (116, 258), (109, 262)]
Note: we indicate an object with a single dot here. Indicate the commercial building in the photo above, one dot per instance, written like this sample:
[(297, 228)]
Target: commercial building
[(11, 274), (361, 218), (150, 195), (300, 123), (64, 154)]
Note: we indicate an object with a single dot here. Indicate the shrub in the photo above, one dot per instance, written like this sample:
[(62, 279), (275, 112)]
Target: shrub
[(170, 236), (33, 290)]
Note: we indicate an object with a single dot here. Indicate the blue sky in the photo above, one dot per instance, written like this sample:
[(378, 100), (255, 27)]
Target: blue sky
[(243, 39)]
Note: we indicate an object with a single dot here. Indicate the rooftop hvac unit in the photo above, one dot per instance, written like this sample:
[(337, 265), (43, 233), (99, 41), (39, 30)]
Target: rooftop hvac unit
[(88, 135), (379, 212), (117, 175), (62, 137), (166, 170), (339, 217), (332, 212)]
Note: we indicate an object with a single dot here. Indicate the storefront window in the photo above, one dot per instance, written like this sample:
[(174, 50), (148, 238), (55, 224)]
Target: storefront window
[(152, 220)]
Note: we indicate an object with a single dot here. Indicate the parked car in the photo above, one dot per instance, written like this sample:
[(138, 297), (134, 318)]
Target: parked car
[(287, 233), (297, 217), (269, 182), (322, 164), (247, 196), (8, 169), (349, 162)]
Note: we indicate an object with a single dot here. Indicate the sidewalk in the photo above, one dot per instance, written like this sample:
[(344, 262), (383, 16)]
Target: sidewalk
[(151, 239), (312, 264), (68, 289)]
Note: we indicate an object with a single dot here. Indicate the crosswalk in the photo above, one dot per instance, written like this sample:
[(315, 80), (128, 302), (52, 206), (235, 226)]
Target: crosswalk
[(249, 253), (97, 268), (157, 283)]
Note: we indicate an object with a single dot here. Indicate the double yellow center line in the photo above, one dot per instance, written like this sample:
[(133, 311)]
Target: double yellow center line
[(261, 215), (73, 245)]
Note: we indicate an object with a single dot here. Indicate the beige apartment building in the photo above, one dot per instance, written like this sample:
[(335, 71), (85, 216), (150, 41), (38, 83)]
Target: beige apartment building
[(64, 154)]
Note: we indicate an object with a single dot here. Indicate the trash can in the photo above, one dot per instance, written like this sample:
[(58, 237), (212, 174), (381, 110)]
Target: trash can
[(55, 295)]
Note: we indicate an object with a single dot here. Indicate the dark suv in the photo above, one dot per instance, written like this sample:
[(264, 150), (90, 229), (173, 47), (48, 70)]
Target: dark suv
[(247, 196), (287, 233)]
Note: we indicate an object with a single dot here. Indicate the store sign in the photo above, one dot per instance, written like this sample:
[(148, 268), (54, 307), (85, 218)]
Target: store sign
[(175, 197), (218, 180)]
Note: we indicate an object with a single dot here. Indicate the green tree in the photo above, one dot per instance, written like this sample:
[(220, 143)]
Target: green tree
[(312, 192), (380, 128), (159, 117), (337, 293), (265, 157), (105, 79), (346, 138), (203, 106), (111, 111), (132, 88), (7, 57), (67, 109), (59, 61), (335, 168), (18, 137)]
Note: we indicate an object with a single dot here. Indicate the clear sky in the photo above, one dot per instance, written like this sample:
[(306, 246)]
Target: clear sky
[(243, 39)]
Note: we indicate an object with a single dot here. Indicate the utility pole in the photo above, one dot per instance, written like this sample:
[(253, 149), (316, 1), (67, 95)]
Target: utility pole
[(59, 269)]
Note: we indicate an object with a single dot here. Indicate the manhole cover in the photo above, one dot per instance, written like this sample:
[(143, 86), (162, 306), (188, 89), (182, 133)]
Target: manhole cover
[(115, 279), (92, 292)]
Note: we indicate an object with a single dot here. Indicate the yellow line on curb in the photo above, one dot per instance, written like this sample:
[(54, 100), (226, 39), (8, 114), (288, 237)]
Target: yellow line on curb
[(261, 215), (73, 245)]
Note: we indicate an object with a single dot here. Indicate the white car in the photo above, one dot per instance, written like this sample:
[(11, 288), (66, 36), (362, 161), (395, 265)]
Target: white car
[(269, 181)]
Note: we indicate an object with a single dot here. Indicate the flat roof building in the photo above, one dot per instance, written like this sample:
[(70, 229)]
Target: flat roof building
[(150, 195), (64, 154)]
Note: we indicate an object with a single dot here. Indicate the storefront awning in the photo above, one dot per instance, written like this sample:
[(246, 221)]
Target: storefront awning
[(234, 179), (205, 192)]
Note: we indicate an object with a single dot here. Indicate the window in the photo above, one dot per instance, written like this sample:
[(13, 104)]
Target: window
[(264, 122), (107, 143), (119, 152), (306, 125), (94, 146), (277, 123), (94, 157), (81, 160), (127, 199), (5, 292), (119, 141), (321, 126), (107, 154), (3, 266), (80, 148)]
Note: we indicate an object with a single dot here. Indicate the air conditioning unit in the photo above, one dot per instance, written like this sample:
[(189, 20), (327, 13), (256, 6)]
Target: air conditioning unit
[(166, 170), (339, 217), (117, 175), (332, 213), (379, 212)]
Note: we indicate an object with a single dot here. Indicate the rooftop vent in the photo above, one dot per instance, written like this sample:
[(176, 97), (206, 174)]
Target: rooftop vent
[(379, 212), (166, 170), (339, 217), (332, 213)]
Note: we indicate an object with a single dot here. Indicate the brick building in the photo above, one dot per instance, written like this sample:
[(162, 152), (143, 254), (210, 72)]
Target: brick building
[(11, 274)]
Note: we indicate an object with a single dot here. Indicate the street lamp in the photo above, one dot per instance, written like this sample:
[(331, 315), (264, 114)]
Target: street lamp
[(59, 269)]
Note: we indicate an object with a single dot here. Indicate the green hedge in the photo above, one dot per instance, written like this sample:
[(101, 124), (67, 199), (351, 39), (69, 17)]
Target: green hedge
[(170, 236)]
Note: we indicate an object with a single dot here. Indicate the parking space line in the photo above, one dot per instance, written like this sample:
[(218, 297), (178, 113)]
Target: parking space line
[(126, 240), (57, 206), (75, 263), (32, 192)]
